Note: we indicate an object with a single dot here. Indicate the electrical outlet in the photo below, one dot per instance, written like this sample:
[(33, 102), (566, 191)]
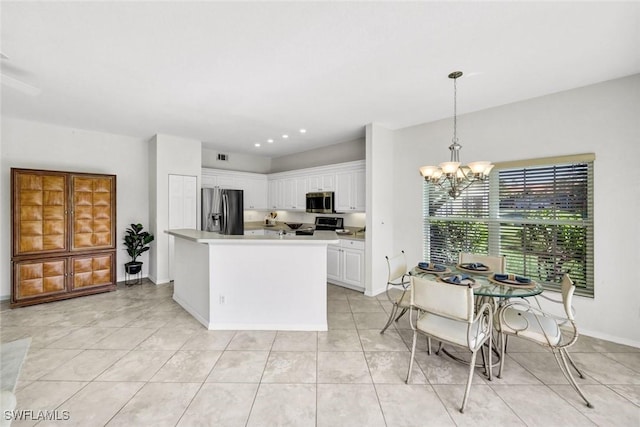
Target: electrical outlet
[(222, 300)]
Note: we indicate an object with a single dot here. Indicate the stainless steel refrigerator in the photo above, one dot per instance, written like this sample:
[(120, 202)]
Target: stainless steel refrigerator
[(222, 210)]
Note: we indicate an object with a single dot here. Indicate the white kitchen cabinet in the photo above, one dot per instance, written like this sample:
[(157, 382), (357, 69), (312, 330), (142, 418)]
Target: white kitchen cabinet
[(322, 182), (254, 186), (287, 190), (334, 264), (273, 194), (350, 191), (294, 191), (255, 193), (345, 264), (209, 181)]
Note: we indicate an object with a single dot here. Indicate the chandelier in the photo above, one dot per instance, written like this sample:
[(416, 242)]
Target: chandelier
[(450, 176)]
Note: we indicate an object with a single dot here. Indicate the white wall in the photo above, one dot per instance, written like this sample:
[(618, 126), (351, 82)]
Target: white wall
[(329, 155), (236, 162), (380, 184), (601, 118), (170, 155), (27, 144)]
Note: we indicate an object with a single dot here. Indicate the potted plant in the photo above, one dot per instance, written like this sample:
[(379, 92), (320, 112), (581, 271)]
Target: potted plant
[(137, 242)]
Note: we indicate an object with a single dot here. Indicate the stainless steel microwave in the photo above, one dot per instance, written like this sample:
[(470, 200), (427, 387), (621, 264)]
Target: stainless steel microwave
[(321, 202)]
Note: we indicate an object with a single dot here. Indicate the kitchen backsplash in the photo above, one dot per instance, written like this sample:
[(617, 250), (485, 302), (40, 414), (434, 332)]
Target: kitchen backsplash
[(350, 219)]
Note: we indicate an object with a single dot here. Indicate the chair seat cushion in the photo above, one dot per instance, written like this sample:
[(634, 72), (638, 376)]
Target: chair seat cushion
[(528, 325), (449, 330)]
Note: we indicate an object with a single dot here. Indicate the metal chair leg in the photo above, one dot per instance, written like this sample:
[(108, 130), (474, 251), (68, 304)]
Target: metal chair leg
[(472, 365), (391, 316), (404, 310), (573, 364), (490, 350), (503, 345), (569, 376), (413, 353), (564, 367)]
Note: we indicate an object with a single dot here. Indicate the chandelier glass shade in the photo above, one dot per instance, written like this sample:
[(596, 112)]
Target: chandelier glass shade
[(451, 176)]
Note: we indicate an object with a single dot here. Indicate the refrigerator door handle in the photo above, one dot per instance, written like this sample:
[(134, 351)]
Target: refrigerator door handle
[(225, 213)]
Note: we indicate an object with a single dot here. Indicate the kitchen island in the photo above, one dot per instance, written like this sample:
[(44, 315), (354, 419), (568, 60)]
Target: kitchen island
[(252, 282)]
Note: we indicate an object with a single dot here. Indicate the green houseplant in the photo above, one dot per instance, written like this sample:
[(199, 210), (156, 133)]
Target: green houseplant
[(137, 242)]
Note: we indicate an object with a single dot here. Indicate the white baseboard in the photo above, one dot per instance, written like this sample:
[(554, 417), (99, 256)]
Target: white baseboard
[(607, 337), (267, 327)]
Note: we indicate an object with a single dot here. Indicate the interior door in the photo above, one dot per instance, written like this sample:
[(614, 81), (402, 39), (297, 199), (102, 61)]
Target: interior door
[(183, 207)]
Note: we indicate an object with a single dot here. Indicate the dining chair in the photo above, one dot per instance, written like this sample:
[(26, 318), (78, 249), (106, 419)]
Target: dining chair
[(397, 287), (497, 264), (446, 312), (519, 318)]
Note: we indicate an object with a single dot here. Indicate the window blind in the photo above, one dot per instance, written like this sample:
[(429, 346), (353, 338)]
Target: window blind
[(455, 225), (540, 217)]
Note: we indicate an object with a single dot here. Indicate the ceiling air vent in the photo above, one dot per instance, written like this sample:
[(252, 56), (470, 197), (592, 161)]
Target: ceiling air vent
[(223, 157)]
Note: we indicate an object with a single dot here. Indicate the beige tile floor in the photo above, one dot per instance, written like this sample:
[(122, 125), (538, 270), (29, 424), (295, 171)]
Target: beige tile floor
[(135, 358)]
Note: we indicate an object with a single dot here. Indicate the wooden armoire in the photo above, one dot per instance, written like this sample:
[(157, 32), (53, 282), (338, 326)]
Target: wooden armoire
[(63, 235)]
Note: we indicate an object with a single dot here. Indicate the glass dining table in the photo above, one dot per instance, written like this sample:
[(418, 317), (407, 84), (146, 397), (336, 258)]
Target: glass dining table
[(485, 290), (484, 287)]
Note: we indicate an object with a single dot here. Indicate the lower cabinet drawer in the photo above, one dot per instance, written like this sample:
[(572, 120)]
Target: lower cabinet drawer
[(352, 244)]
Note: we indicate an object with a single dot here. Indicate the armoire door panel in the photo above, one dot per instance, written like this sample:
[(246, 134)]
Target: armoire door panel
[(93, 270), (39, 205), (37, 278), (93, 212)]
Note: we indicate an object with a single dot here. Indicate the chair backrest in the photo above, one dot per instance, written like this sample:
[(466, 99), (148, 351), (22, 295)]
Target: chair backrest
[(567, 295), (497, 264), (443, 299), (397, 266)]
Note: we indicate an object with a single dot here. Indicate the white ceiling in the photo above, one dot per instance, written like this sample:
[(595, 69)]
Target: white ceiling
[(232, 74)]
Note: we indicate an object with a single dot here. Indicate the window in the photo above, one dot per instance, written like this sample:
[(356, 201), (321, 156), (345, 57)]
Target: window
[(538, 213)]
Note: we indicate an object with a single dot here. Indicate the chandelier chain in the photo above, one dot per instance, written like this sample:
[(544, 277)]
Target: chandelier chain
[(455, 110)]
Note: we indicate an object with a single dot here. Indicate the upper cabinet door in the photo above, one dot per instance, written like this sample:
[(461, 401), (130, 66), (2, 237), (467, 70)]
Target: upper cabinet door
[(350, 191), (93, 212), (40, 206), (325, 182)]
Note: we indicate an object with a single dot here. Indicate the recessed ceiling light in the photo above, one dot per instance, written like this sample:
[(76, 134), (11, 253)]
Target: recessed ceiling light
[(303, 131), (285, 136), (270, 141), (257, 144)]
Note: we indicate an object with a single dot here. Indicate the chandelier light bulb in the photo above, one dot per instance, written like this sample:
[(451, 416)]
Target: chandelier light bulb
[(449, 167), (428, 171), (479, 167)]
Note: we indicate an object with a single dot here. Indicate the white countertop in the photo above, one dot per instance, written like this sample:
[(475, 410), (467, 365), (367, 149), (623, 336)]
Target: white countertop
[(199, 236)]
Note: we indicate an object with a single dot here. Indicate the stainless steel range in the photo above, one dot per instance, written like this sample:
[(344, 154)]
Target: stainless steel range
[(322, 223), (329, 223)]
